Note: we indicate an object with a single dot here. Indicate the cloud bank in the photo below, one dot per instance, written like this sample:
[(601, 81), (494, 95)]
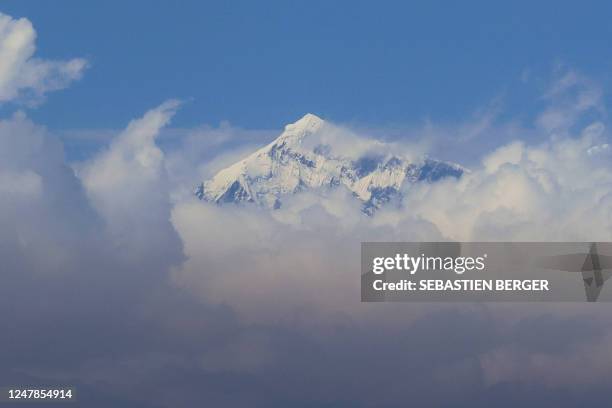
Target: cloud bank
[(119, 282), (142, 287)]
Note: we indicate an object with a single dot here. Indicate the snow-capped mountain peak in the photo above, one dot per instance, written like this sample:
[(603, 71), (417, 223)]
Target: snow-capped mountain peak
[(289, 165), (308, 123)]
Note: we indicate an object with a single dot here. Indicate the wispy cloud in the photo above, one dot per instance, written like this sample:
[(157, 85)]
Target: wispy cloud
[(570, 97)]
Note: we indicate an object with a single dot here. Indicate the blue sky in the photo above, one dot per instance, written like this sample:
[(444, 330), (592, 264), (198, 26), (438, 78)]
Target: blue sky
[(262, 64)]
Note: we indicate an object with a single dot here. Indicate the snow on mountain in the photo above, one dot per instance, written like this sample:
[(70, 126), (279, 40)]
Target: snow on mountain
[(303, 158)]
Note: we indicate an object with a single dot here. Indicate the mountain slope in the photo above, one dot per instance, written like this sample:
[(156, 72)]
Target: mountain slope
[(300, 159)]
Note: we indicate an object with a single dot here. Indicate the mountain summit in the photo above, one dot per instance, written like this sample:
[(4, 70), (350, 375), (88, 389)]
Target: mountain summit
[(304, 158)]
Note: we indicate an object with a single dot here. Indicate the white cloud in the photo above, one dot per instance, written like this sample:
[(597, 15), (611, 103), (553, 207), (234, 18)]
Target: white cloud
[(304, 255), (118, 235), (24, 77), (26, 183), (127, 183), (558, 189), (43, 211)]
